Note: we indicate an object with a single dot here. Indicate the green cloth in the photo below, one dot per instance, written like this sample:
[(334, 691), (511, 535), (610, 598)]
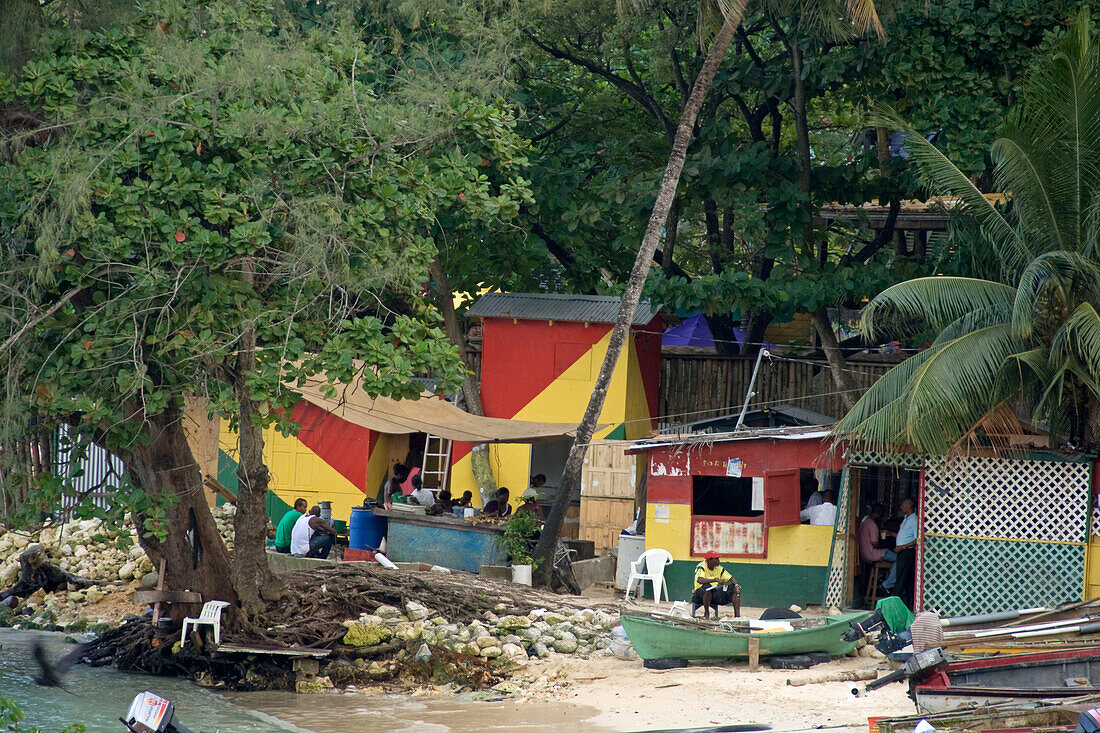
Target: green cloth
[(286, 526), (896, 614)]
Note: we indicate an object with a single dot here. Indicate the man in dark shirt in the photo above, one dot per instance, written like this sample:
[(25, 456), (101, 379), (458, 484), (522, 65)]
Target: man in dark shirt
[(499, 507)]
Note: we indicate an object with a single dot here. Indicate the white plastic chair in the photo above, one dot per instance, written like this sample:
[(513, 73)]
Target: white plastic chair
[(211, 615), (650, 566)]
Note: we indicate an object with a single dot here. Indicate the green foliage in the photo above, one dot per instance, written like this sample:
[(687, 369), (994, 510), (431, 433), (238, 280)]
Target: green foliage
[(240, 167), (11, 716), (1030, 340), (519, 529)]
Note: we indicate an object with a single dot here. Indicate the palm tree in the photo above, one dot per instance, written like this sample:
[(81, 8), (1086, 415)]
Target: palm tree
[(1026, 340), (862, 16)]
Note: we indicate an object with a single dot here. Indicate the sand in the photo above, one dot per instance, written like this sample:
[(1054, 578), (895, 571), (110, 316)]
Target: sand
[(632, 698)]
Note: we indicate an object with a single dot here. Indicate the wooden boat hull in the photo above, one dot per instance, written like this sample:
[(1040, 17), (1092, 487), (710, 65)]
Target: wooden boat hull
[(1016, 679), (657, 639)]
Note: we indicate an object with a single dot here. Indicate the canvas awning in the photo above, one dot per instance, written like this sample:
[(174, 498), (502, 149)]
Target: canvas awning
[(429, 414)]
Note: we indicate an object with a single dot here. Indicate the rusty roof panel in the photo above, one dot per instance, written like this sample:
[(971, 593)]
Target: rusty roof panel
[(557, 307)]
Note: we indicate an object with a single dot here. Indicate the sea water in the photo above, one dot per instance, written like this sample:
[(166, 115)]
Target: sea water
[(100, 696)]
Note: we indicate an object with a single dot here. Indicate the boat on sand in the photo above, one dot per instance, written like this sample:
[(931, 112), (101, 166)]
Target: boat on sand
[(659, 636)]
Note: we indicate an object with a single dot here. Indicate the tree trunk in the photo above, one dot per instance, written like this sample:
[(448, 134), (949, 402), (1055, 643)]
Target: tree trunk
[(633, 293), (194, 555), (253, 579), (671, 226), (842, 378), (479, 456)]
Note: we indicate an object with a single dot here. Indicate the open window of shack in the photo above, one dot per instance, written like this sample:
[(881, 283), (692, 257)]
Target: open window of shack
[(727, 516)]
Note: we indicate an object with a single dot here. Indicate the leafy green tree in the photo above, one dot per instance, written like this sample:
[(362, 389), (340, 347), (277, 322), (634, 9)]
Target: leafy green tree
[(226, 199), (1029, 338)]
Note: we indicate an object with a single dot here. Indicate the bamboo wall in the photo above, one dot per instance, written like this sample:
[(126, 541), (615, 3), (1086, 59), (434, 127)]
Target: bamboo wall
[(701, 387)]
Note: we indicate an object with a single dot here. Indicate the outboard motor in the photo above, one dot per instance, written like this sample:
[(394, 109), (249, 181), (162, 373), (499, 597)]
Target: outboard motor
[(1088, 721), (151, 713)]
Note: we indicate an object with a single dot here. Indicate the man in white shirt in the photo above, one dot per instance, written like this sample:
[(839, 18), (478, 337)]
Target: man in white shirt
[(824, 514), (312, 536)]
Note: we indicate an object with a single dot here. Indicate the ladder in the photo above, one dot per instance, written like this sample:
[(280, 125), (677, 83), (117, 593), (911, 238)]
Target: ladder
[(437, 462)]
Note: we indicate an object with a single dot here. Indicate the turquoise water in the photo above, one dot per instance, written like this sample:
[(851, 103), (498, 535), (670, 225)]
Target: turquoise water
[(102, 695)]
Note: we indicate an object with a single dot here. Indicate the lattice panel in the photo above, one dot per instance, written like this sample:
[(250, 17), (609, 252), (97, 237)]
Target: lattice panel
[(874, 458), (1007, 499), (969, 576), (1095, 522), (836, 592)]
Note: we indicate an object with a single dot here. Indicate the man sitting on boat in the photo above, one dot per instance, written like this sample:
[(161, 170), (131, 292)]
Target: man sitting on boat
[(714, 586)]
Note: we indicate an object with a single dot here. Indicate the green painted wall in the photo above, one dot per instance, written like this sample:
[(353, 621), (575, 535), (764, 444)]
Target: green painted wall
[(761, 585), (227, 475)]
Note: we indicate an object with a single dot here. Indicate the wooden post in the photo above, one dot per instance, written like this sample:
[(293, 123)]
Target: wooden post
[(160, 586), (754, 653)]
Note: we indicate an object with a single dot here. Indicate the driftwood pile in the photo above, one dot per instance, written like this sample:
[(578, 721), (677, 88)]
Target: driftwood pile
[(317, 603)]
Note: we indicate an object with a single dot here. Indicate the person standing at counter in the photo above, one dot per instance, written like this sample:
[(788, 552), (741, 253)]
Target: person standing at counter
[(393, 490), (499, 507)]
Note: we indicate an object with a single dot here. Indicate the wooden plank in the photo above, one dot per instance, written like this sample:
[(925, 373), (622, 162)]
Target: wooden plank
[(302, 652), (216, 486), (142, 597), (754, 653)]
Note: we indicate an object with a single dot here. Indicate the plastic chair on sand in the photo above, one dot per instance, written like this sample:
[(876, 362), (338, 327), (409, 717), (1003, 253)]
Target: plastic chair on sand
[(211, 615), (650, 566)]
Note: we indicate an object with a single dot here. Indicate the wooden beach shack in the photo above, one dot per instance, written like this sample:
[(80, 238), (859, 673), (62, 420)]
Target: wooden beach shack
[(997, 532)]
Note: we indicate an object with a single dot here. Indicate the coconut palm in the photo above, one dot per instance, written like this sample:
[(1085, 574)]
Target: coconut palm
[(1028, 340)]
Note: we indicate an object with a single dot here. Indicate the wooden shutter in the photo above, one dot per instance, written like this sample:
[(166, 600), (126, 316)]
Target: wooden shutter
[(782, 497)]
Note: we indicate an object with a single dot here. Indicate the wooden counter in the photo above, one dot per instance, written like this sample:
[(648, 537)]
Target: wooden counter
[(442, 540)]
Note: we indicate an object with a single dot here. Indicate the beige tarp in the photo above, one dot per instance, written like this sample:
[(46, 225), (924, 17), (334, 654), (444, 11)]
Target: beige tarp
[(429, 414)]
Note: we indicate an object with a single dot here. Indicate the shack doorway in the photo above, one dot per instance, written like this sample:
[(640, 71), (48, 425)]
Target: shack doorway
[(871, 485)]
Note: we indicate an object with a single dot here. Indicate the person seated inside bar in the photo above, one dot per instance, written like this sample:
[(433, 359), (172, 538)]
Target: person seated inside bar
[(714, 586), (465, 499), (420, 495), (392, 492), (444, 500), (498, 507), (531, 504)]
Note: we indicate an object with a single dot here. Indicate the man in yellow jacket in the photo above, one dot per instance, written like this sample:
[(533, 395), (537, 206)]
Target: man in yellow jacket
[(714, 586)]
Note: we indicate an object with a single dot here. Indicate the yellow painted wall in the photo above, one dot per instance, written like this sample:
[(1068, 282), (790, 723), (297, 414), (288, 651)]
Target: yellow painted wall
[(1092, 569), (797, 544), (565, 400), (296, 471)]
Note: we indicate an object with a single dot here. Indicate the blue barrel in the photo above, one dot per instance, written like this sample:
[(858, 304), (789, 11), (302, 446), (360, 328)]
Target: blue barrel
[(365, 531)]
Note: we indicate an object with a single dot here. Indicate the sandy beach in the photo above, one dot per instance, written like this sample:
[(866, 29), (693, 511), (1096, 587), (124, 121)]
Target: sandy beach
[(630, 697)]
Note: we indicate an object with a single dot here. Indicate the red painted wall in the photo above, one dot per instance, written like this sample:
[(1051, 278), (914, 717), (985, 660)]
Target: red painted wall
[(648, 346), (519, 359), (758, 457), (343, 445)]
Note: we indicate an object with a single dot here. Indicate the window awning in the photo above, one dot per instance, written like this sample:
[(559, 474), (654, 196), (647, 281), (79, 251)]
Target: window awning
[(429, 414)]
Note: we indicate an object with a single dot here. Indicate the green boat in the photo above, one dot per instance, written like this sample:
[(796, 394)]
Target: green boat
[(658, 636)]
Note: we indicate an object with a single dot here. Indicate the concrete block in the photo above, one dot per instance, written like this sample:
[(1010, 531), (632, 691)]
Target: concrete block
[(496, 572), (280, 563), (597, 570)]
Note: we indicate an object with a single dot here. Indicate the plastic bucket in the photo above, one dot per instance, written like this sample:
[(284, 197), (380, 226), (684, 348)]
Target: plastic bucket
[(521, 574), (365, 530), (469, 512), (326, 510)]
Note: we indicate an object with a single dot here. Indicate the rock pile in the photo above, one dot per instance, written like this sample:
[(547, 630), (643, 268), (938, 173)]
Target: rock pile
[(85, 548), (508, 638)]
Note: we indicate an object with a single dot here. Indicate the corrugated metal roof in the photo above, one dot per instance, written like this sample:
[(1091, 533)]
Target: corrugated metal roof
[(557, 307), (806, 432)]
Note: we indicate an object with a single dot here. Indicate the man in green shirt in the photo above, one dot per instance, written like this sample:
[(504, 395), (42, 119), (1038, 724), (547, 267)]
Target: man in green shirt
[(286, 526)]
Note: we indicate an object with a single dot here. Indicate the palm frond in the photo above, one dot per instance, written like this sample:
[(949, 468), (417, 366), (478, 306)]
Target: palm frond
[(1067, 272), (863, 15), (956, 386), (1079, 338), (972, 321), (887, 390), (943, 176), (939, 300), (713, 14)]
